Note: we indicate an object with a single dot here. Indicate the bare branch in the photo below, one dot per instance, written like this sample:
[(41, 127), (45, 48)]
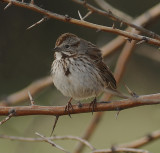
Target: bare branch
[(116, 18), (142, 141), (51, 142), (148, 16), (105, 6), (21, 95), (67, 137), (101, 106), (124, 150), (83, 23)]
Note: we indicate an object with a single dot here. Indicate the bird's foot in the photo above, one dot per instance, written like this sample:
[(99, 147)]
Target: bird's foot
[(69, 107), (93, 104)]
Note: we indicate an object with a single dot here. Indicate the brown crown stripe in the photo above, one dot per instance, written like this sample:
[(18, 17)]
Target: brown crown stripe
[(63, 38)]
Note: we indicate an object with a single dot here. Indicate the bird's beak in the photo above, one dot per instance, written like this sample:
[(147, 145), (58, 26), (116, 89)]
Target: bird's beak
[(56, 49)]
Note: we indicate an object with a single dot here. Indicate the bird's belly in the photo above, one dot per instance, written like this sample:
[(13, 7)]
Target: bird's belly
[(82, 82)]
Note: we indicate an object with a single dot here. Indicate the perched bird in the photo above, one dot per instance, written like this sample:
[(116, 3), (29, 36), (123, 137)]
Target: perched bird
[(78, 70)]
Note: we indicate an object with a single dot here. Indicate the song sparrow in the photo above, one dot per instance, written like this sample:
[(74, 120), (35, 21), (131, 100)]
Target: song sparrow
[(78, 70)]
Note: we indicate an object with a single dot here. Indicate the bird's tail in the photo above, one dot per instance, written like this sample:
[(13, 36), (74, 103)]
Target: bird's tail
[(117, 93)]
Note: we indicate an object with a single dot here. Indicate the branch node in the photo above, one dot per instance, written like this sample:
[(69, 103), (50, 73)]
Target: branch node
[(144, 39), (67, 18), (150, 137), (128, 39), (12, 112)]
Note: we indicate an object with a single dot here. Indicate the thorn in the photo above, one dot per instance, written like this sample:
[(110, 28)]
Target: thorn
[(140, 42), (121, 24), (12, 112), (8, 5), (113, 149), (117, 114), (80, 16), (40, 21), (113, 25), (54, 125), (144, 39), (32, 2), (31, 98), (133, 94), (98, 30), (88, 14)]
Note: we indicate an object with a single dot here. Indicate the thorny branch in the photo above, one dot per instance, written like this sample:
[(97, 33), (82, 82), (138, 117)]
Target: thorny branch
[(144, 19), (114, 17), (101, 106), (118, 150), (49, 14)]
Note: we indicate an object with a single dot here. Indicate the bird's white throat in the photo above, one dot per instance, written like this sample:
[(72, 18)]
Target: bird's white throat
[(58, 55)]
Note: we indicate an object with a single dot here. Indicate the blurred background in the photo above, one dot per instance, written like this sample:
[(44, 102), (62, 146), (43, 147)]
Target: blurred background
[(26, 55)]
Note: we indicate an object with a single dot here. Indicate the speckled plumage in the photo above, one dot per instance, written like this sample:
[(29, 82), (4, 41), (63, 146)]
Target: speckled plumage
[(78, 70)]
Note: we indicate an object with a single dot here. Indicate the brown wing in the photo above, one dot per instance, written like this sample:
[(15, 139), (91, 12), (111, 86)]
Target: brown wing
[(106, 75), (95, 54)]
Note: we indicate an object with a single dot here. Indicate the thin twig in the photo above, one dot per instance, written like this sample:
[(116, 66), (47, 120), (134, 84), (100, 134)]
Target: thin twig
[(84, 23), (118, 150), (106, 6), (67, 137), (51, 142)]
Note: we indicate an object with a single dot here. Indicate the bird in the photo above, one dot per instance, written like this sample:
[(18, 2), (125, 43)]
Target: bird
[(78, 70)]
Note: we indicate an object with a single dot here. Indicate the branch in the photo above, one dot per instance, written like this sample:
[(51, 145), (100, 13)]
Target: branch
[(67, 137), (105, 6), (83, 23), (118, 150), (142, 141), (114, 17), (51, 142), (144, 19), (85, 108), (21, 95)]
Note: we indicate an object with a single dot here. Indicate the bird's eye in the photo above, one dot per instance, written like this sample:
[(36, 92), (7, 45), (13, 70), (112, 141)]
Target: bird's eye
[(66, 46)]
